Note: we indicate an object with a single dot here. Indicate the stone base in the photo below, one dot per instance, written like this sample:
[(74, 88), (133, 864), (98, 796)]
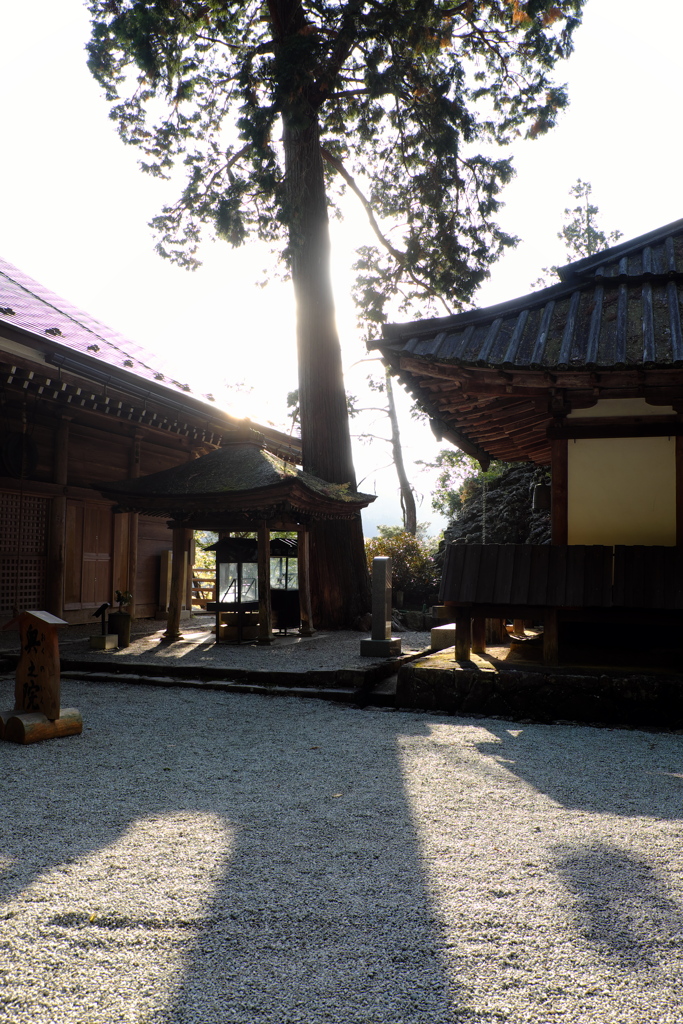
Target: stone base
[(31, 726), (104, 642), (443, 637), (440, 612), (485, 688), (381, 648)]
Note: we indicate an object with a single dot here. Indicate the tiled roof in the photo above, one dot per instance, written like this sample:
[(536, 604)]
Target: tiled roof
[(76, 342), (29, 306), (241, 477), (494, 380), (620, 308)]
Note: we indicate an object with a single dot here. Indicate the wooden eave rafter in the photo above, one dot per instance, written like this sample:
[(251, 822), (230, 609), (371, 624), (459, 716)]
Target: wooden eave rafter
[(64, 389), (512, 414)]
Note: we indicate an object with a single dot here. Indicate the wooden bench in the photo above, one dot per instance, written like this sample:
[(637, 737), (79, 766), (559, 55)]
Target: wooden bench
[(543, 582)]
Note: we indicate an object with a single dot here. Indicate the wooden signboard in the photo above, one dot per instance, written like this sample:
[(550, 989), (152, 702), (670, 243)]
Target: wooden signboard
[(37, 713)]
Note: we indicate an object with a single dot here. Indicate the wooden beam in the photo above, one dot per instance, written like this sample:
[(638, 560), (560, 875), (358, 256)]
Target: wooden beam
[(559, 493), (304, 583), (551, 651), (679, 491), (658, 426), (479, 635), (133, 524), (177, 585), (463, 643), (265, 615), (57, 524)]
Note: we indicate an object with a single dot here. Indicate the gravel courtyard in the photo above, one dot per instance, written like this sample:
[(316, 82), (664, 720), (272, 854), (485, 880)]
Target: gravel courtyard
[(211, 857)]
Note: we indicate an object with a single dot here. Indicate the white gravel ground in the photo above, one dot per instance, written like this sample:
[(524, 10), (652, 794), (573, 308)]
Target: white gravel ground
[(209, 857)]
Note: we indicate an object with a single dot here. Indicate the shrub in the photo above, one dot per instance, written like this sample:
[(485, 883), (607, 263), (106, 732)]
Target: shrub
[(413, 569)]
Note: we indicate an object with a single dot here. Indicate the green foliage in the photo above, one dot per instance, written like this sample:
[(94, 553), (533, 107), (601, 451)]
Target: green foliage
[(581, 235), (413, 567), (460, 476), (123, 597), (388, 532), (407, 98), (580, 232), (204, 559), (272, 111)]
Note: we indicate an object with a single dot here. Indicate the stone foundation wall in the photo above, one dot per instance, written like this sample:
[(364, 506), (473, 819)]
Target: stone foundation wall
[(635, 700)]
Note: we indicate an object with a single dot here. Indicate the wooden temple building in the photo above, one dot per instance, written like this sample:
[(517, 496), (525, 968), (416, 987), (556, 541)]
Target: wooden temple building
[(584, 377), (82, 406)]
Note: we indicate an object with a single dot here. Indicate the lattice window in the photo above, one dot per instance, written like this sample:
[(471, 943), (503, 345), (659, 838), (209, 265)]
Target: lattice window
[(23, 524)]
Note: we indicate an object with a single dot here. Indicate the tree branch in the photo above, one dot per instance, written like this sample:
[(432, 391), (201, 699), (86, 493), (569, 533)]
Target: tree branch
[(350, 181)]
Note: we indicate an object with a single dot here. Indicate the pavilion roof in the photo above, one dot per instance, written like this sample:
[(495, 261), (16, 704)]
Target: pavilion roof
[(611, 326), (238, 483)]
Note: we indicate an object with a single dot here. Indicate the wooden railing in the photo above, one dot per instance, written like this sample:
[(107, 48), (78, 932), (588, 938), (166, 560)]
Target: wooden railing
[(203, 587)]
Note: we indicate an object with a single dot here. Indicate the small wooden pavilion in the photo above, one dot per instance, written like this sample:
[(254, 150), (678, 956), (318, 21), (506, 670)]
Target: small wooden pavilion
[(585, 377), (241, 487)]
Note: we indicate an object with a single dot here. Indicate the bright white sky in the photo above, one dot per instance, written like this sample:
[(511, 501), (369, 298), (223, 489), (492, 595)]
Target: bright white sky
[(75, 210)]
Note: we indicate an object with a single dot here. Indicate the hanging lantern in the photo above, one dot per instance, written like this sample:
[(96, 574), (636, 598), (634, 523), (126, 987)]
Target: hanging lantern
[(541, 498)]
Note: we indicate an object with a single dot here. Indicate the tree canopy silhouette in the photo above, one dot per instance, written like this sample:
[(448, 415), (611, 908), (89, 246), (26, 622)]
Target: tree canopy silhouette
[(274, 109)]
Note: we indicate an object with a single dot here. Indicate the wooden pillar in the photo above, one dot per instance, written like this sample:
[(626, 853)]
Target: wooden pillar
[(496, 633), (265, 616), (551, 651), (177, 584), (462, 634), (303, 551), (57, 524), (189, 565), (679, 491), (559, 492), (133, 526), (479, 635)]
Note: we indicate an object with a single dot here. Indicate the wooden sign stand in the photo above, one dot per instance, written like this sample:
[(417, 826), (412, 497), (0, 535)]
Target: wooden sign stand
[(37, 714)]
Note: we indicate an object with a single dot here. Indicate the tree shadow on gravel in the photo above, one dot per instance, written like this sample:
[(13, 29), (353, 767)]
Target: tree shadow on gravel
[(321, 912), (620, 904), (625, 773)]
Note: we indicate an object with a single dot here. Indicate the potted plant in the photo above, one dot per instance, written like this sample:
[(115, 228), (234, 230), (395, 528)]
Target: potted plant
[(119, 622)]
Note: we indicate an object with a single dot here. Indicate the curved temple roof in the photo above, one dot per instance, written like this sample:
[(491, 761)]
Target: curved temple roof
[(612, 326), (240, 481)]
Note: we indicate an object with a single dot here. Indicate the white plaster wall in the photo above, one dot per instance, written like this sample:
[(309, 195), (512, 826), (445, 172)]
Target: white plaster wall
[(622, 491), (606, 408)]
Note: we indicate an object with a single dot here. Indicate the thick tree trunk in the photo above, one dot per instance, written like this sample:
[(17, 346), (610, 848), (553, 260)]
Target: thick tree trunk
[(407, 496), (340, 588)]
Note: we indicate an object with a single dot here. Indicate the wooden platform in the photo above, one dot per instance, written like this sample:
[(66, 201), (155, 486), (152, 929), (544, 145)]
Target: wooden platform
[(543, 582)]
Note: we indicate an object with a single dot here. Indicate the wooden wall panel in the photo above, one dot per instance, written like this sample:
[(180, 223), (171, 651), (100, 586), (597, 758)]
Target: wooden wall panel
[(96, 456), (40, 432), (73, 555), (155, 457), (89, 546), (98, 537), (120, 580), (153, 538)]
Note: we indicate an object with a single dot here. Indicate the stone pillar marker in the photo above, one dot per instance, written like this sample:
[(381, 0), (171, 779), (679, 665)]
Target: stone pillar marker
[(382, 644)]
